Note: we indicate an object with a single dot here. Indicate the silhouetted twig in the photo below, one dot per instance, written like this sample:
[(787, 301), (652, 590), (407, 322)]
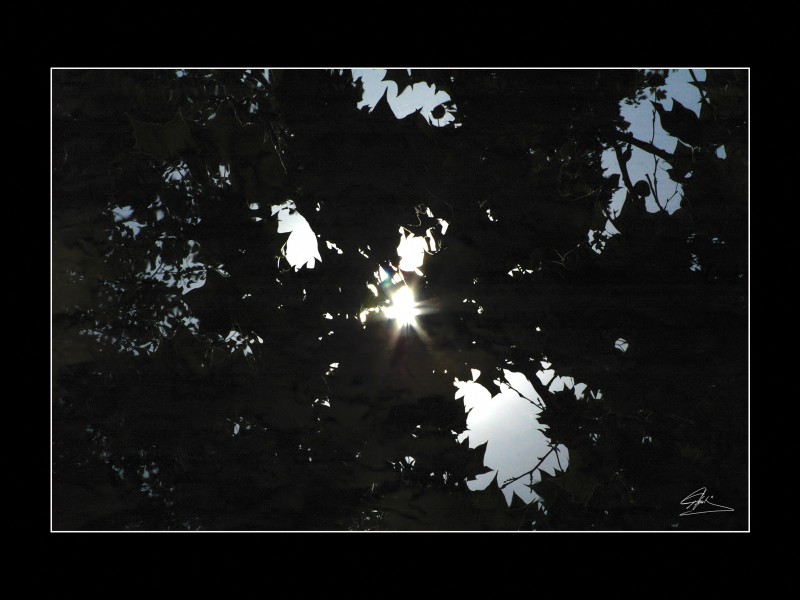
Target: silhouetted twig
[(277, 151), (539, 464), (703, 95), (653, 189), (536, 404), (623, 167)]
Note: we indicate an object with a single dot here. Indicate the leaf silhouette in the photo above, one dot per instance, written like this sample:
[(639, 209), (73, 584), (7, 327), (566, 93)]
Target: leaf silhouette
[(680, 122), (165, 141)]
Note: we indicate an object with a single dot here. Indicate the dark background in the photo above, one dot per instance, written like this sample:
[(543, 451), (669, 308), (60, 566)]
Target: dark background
[(684, 380)]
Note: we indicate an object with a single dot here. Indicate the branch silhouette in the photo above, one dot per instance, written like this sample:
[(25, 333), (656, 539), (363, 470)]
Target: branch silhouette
[(539, 464), (646, 146)]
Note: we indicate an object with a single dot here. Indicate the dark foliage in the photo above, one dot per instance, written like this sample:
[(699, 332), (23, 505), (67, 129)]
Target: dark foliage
[(146, 440)]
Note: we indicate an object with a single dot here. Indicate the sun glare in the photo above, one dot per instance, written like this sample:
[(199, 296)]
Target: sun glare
[(404, 307)]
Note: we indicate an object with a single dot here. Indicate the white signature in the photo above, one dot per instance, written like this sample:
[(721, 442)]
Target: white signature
[(698, 499)]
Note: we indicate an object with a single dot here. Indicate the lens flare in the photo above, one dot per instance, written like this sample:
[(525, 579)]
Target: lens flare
[(404, 308)]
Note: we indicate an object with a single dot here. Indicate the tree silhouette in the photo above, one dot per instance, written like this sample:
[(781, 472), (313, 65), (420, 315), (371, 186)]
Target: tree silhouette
[(201, 382)]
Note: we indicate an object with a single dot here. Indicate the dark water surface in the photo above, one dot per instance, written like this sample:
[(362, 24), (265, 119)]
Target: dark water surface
[(403, 300)]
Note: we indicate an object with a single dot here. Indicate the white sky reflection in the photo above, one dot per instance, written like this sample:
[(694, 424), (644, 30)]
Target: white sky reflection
[(517, 449), (419, 97), (301, 249), (645, 125)]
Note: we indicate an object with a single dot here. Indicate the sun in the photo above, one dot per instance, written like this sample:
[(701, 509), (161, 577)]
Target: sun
[(403, 308)]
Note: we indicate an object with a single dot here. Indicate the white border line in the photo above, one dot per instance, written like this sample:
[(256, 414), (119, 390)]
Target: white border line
[(665, 531), (52, 275)]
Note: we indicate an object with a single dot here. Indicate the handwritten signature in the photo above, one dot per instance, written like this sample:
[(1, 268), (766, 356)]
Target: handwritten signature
[(698, 498)]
